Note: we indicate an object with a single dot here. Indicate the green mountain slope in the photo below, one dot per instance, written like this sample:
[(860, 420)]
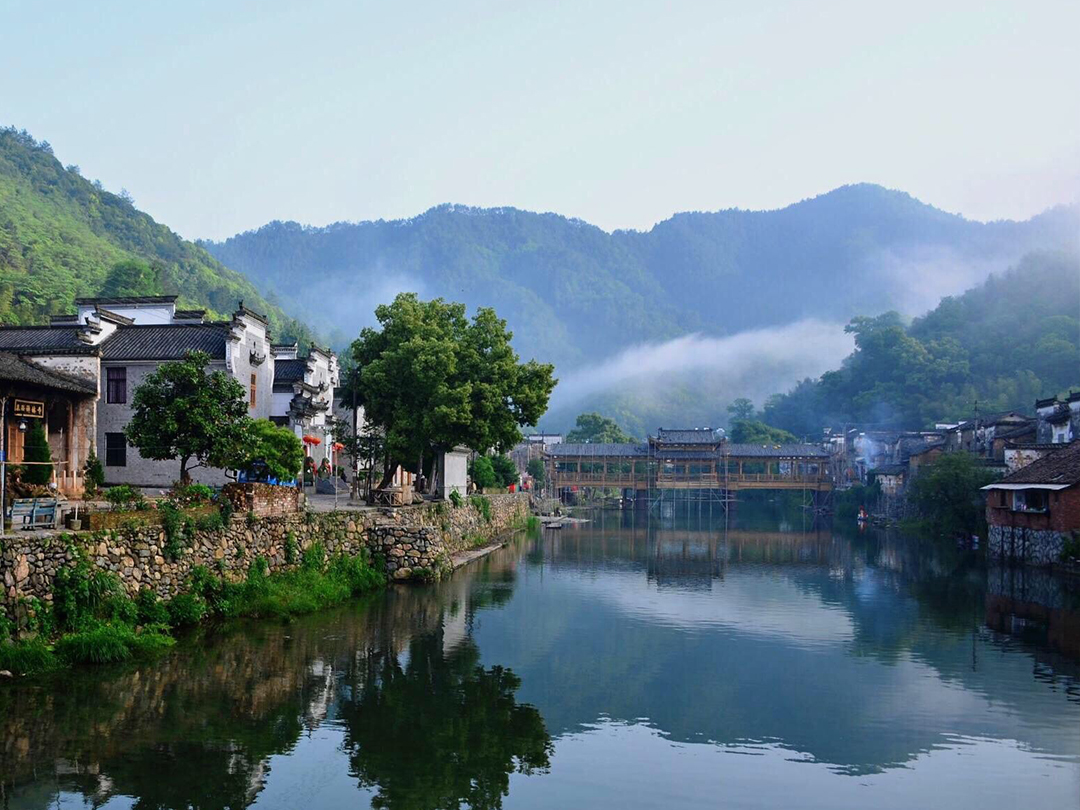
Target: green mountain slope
[(1011, 340), (572, 292), (60, 235)]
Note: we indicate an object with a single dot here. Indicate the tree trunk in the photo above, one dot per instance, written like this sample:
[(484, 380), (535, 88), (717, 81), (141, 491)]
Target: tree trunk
[(185, 476)]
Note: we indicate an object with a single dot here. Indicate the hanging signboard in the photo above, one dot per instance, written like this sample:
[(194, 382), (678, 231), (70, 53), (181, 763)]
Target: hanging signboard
[(29, 408)]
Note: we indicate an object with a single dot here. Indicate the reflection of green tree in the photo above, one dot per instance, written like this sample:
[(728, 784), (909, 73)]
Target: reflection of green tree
[(441, 730)]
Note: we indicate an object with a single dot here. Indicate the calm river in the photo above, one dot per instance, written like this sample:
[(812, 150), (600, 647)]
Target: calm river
[(613, 664)]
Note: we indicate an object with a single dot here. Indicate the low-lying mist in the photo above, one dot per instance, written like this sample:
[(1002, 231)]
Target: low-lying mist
[(693, 378)]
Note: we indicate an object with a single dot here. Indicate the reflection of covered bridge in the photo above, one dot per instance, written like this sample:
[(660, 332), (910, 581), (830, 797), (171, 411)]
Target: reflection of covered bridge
[(698, 461)]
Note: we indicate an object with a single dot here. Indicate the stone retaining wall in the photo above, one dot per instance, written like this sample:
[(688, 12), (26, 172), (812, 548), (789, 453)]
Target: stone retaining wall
[(1024, 545), (405, 539)]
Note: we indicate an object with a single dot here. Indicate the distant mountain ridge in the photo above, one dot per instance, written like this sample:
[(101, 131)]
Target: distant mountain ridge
[(572, 291), (60, 235)]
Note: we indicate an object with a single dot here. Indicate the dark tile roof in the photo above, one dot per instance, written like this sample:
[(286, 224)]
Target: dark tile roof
[(730, 449), (289, 371), (775, 450), (1046, 403), (17, 369), (127, 300), (1060, 415), (919, 447), (43, 340), (252, 313), (1057, 467), (165, 341), (691, 436), (888, 469), (1019, 430), (598, 449)]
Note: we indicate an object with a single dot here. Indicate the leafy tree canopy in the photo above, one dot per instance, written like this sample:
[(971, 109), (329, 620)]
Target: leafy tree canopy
[(741, 409), (751, 431), (947, 495), (433, 379), (482, 472), (277, 447), (180, 411), (505, 470), (537, 471), (133, 277), (1006, 343), (595, 428)]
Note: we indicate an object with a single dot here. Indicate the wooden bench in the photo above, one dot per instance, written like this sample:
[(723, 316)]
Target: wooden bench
[(34, 513)]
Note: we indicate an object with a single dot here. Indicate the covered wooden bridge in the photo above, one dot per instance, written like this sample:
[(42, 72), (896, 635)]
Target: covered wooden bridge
[(698, 459)]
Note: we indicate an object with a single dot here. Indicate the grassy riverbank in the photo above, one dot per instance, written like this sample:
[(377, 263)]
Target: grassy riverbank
[(93, 621)]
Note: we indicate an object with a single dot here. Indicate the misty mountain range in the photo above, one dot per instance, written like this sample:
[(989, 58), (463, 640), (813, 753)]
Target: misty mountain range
[(594, 302), (657, 327)]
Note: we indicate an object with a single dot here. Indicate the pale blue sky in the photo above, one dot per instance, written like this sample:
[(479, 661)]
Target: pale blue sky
[(220, 116)]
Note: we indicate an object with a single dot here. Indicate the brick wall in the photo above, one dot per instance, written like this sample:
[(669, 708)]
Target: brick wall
[(263, 500)]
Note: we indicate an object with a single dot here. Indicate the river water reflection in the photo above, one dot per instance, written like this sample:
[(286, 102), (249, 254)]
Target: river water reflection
[(614, 664)]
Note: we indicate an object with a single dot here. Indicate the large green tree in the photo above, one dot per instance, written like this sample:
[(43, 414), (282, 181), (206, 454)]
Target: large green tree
[(596, 428), (751, 431), (432, 379), (277, 447), (133, 277), (182, 411), (947, 495), (741, 409)]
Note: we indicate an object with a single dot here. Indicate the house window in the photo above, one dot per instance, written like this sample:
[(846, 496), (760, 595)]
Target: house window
[(1030, 500), (116, 386), (115, 450), (252, 400)]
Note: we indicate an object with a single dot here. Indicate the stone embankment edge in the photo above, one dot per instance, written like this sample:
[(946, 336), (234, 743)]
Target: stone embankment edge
[(416, 542)]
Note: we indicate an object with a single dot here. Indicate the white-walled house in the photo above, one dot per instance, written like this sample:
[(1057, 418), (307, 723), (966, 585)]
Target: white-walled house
[(114, 343), (303, 395)]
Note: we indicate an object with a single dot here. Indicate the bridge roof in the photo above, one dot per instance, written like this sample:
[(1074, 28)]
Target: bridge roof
[(730, 449), (632, 450), (687, 436), (774, 450)]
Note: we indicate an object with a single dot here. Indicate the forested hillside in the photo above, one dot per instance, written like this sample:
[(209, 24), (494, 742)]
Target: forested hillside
[(572, 292), (61, 236), (1006, 343)]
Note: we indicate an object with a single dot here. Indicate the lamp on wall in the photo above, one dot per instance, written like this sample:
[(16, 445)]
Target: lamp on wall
[(22, 426)]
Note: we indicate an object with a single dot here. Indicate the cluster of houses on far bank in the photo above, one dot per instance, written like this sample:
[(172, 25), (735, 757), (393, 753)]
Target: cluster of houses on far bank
[(1032, 509), (1002, 442), (79, 373)]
